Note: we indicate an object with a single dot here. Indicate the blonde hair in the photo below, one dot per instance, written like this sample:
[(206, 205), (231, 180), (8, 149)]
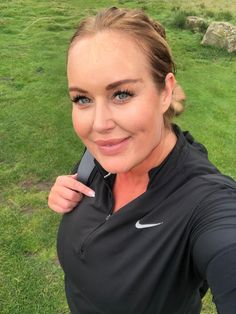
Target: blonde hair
[(149, 35)]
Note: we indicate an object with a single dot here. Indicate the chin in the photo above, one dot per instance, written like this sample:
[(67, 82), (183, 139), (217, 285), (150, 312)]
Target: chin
[(115, 167)]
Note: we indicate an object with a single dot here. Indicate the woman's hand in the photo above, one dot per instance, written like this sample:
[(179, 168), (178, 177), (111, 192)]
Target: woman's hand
[(66, 193)]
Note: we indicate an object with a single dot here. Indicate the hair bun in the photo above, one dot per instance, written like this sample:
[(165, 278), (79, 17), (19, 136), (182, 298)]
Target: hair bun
[(178, 98)]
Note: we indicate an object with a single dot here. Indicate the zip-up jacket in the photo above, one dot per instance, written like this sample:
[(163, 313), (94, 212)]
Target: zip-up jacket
[(152, 255)]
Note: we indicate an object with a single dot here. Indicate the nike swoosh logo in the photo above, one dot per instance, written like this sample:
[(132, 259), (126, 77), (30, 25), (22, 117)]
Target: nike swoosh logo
[(138, 225)]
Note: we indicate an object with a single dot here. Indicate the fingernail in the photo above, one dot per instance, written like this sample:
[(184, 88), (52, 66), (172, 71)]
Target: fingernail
[(91, 193)]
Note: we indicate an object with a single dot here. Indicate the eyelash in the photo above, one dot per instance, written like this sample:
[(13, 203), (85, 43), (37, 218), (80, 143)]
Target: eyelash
[(119, 92), (78, 98)]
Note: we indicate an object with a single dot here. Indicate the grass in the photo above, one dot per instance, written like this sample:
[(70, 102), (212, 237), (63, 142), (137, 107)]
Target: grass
[(38, 143)]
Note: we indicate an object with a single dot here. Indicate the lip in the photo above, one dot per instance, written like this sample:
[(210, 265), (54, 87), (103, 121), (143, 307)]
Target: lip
[(112, 146)]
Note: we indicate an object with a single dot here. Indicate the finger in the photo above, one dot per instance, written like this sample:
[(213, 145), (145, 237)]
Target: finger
[(74, 176), (58, 209), (70, 182), (60, 204), (75, 185), (74, 196), (67, 193)]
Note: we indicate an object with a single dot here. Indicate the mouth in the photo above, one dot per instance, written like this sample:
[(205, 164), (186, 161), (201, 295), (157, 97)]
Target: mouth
[(112, 146)]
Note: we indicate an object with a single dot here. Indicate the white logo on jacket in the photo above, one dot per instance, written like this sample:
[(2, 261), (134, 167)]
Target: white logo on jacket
[(138, 225)]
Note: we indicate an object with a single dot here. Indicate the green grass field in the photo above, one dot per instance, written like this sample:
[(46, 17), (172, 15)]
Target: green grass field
[(37, 141)]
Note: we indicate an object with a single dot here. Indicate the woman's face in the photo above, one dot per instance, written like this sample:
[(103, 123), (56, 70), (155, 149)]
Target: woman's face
[(117, 109)]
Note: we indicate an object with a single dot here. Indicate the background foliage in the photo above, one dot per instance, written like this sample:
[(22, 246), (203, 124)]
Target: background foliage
[(38, 143)]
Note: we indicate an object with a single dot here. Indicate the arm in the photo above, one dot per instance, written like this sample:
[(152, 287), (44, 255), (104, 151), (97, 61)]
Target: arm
[(214, 247)]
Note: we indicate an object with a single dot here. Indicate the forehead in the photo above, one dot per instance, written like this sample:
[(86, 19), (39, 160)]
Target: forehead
[(107, 53)]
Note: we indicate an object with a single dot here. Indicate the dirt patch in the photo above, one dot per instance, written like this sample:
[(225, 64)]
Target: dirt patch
[(31, 184), (27, 210), (43, 186)]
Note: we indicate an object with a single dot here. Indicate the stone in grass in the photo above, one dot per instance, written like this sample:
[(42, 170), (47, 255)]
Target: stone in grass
[(221, 34), (195, 23)]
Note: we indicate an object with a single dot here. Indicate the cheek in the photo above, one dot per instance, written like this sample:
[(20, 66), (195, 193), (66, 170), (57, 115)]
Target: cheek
[(149, 114), (80, 124), (150, 121)]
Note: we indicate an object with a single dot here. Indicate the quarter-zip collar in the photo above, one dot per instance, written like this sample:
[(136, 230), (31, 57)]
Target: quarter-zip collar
[(170, 164)]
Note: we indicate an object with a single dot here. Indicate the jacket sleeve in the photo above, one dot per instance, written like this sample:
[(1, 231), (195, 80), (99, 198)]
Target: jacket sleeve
[(214, 247)]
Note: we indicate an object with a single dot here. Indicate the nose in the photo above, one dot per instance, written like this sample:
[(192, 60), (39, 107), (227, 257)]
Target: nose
[(103, 117)]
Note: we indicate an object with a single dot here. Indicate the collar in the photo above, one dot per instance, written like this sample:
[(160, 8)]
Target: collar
[(171, 163)]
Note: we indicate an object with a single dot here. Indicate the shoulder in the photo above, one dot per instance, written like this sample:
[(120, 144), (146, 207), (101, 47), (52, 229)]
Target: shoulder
[(218, 181), (195, 167), (218, 198)]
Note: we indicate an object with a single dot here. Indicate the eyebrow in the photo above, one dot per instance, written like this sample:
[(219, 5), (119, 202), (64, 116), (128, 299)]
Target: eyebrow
[(108, 87), (77, 89), (118, 83)]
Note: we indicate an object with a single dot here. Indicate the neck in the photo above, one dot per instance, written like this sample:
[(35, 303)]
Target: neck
[(131, 184)]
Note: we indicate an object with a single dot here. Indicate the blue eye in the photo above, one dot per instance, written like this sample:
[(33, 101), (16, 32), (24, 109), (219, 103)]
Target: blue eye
[(83, 100), (123, 95)]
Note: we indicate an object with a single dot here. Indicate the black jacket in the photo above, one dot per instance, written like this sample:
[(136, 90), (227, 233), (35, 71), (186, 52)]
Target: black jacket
[(152, 255)]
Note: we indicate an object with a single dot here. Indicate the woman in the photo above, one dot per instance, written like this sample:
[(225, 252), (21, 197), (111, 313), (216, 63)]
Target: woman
[(157, 218)]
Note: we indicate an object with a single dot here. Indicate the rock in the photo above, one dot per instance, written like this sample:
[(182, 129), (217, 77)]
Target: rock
[(221, 34), (195, 23)]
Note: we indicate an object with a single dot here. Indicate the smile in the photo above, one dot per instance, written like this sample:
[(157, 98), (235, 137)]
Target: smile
[(112, 146)]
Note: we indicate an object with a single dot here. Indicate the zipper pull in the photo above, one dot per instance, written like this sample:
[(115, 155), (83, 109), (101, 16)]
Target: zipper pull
[(107, 217)]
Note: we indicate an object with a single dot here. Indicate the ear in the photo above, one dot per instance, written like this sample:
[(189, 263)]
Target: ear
[(166, 94)]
